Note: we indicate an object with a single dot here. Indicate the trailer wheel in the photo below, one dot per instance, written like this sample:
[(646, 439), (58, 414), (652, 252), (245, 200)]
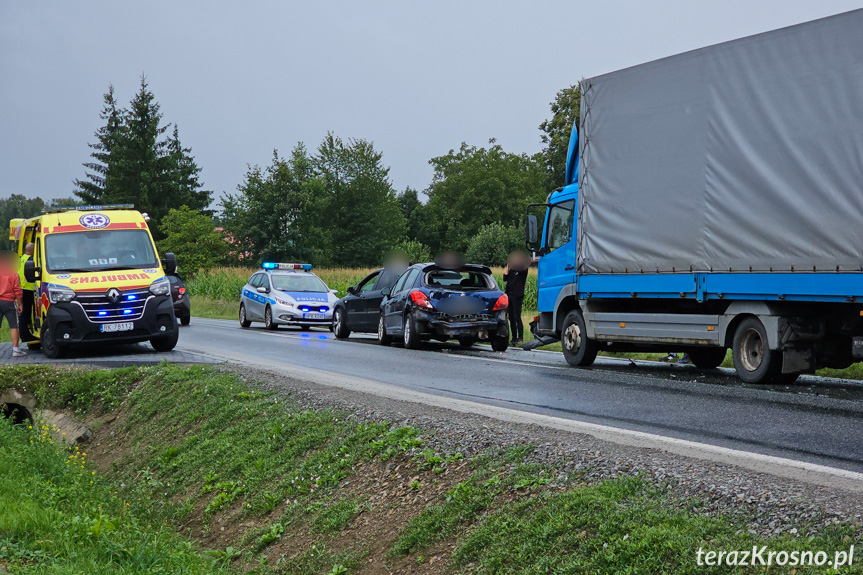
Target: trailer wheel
[(754, 361), (707, 357), (577, 349)]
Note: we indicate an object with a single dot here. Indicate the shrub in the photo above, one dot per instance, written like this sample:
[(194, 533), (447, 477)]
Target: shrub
[(493, 243)]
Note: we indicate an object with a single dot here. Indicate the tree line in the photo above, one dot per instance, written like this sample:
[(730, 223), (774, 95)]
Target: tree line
[(333, 205)]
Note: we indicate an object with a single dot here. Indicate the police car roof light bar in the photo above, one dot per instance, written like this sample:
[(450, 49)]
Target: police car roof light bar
[(281, 266)]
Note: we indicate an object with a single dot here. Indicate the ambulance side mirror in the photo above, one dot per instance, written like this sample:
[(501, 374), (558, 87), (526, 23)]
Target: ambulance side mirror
[(169, 263), (31, 271)]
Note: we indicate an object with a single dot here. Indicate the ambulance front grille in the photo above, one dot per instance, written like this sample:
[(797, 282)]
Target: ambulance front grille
[(99, 309)]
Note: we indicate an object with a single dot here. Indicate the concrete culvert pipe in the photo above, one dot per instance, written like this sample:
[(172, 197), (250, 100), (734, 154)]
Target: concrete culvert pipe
[(17, 413)]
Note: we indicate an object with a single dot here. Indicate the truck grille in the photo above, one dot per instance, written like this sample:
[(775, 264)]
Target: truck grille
[(99, 308)]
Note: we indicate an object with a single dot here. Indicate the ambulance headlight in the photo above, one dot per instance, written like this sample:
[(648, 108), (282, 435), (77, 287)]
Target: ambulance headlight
[(60, 294), (160, 287)]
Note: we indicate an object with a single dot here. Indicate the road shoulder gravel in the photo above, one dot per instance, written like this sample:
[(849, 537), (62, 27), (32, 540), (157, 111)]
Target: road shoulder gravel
[(776, 504)]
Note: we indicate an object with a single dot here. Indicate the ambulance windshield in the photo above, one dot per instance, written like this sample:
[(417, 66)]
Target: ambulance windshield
[(99, 250)]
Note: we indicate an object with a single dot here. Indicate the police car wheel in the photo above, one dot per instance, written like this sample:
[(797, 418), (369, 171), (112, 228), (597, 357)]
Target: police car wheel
[(268, 319), (243, 321)]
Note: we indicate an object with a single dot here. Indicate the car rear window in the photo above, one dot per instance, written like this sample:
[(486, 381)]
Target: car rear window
[(459, 280)]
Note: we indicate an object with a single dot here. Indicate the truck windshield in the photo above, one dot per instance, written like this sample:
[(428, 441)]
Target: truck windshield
[(99, 250), (291, 282)]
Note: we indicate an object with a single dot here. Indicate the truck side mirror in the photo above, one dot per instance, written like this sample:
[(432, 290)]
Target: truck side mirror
[(31, 271), (531, 235), (169, 263)]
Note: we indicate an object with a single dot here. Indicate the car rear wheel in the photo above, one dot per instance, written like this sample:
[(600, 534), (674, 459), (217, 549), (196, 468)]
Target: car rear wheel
[(244, 323), (340, 326), (500, 342), (186, 320), (466, 342), (268, 319), (410, 335), (578, 350), (383, 338)]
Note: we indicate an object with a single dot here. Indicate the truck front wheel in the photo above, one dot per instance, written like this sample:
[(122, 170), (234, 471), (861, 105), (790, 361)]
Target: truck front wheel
[(707, 357), (578, 350), (754, 361)]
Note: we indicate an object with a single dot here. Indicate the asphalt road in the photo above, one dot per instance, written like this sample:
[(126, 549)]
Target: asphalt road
[(814, 421)]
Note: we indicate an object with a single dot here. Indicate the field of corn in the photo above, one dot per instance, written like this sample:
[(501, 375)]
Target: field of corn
[(224, 284)]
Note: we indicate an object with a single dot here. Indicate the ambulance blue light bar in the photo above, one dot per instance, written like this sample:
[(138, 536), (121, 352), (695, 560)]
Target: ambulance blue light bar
[(96, 208), (280, 266)]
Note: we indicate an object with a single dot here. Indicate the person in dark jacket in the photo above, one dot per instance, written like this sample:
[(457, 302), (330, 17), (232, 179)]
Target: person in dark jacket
[(515, 277)]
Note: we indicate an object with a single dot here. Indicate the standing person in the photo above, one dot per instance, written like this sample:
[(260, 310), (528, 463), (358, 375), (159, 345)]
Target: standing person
[(10, 299), (515, 277), (27, 289)]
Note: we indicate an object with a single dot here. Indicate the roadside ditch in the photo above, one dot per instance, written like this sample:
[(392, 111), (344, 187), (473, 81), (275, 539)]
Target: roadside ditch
[(268, 474)]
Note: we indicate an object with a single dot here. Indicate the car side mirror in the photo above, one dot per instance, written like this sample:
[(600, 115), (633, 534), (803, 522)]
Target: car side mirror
[(531, 234), (386, 291), (31, 271), (334, 291), (263, 289), (352, 290), (169, 263)]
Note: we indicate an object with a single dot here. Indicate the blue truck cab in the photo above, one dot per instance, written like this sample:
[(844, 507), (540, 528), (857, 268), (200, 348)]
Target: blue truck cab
[(694, 219)]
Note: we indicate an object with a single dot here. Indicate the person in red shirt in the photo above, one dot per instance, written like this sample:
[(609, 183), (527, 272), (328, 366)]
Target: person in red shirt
[(10, 298)]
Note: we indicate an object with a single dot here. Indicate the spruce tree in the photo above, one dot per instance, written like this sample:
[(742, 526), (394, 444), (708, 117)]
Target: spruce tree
[(92, 189), (135, 163)]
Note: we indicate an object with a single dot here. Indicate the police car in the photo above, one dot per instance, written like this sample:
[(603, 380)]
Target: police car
[(286, 294)]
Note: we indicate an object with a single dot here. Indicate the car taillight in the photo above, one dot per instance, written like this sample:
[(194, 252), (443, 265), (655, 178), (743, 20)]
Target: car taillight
[(421, 299), (182, 290), (501, 303)]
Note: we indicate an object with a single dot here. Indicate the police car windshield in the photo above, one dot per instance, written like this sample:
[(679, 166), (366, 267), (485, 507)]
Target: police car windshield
[(99, 250), (297, 282)]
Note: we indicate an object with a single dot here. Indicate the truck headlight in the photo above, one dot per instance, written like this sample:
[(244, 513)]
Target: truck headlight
[(60, 294), (160, 287)]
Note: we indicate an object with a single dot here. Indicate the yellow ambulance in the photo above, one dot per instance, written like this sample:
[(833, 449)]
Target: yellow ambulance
[(98, 279)]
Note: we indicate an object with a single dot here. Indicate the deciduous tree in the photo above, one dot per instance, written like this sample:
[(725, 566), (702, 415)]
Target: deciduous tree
[(556, 132), (473, 187)]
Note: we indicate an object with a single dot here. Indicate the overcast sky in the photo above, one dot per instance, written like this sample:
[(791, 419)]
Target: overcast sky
[(243, 78)]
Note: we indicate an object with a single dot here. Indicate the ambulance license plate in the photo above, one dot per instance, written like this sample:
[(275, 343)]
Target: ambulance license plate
[(314, 316), (111, 327)]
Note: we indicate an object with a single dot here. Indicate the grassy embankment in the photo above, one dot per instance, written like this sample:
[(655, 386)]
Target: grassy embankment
[(270, 487)]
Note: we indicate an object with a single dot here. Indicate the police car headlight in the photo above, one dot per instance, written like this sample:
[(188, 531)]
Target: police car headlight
[(284, 303), (60, 294), (160, 287)]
